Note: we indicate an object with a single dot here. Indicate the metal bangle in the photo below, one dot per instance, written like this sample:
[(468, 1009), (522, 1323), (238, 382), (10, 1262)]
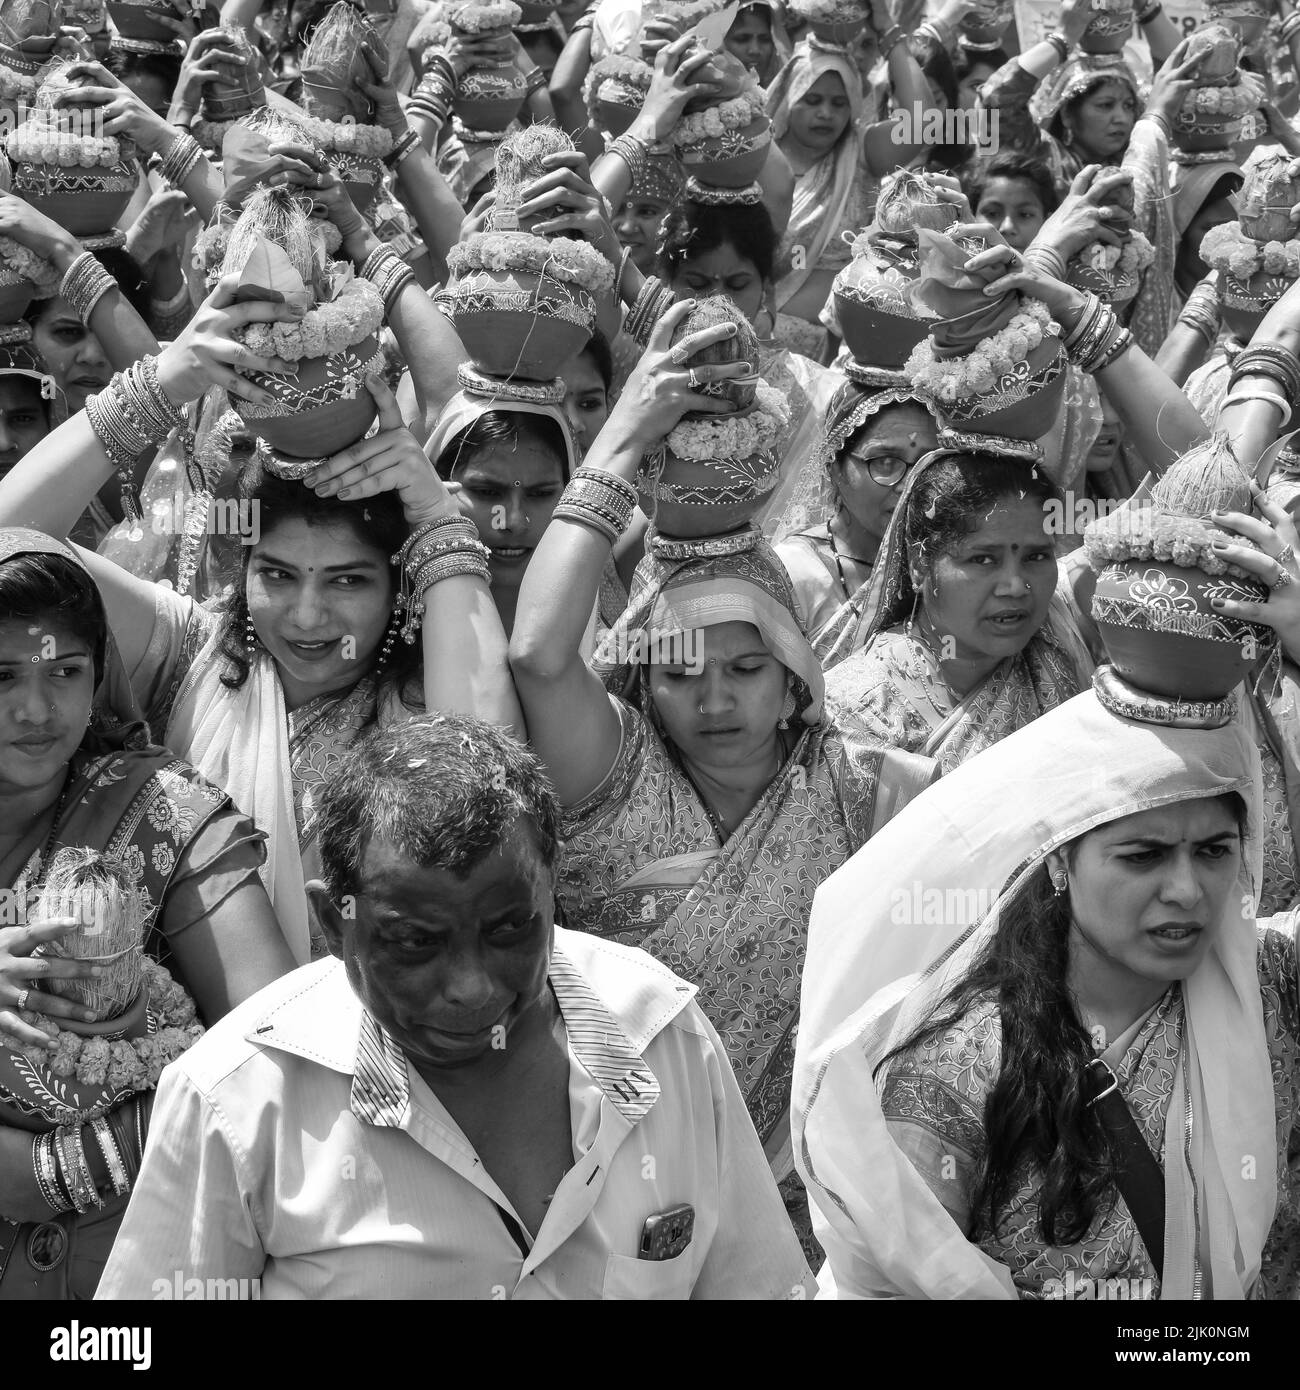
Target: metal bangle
[(112, 1157), (405, 143), (85, 283), (182, 155), (586, 515)]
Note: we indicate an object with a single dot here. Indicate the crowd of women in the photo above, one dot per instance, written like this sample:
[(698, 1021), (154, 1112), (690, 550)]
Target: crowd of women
[(882, 691)]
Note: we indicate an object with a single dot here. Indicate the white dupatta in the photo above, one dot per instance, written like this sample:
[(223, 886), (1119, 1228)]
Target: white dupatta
[(868, 982), (239, 740)]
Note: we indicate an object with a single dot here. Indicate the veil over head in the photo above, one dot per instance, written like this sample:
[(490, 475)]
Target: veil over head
[(974, 838)]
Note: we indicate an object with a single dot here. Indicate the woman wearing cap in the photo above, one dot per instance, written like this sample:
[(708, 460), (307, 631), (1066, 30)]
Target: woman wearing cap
[(707, 795)]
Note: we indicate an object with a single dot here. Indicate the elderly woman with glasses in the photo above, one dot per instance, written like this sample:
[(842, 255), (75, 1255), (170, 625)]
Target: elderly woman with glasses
[(829, 537)]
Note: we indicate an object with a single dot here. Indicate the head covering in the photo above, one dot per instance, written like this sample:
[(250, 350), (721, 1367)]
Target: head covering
[(660, 178), (115, 721), (813, 498), (820, 195), (1192, 186), (681, 585), (19, 358), (1075, 78), (465, 409), (864, 991)]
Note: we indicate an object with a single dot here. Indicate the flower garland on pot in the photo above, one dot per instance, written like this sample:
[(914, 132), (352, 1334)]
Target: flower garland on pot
[(712, 473), (29, 29), (324, 408), (722, 140), (993, 366), (1158, 578), (1210, 118), (143, 1018)]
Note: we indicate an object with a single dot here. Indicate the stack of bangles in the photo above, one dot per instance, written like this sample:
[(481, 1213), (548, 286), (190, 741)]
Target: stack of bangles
[(1098, 340), (69, 1173), (85, 283), (890, 40), (1046, 261), (434, 551), (1276, 364), (1203, 313), (632, 152), (1289, 26), (436, 91), (389, 274), (129, 416), (182, 155), (651, 304), (405, 146), (599, 499)]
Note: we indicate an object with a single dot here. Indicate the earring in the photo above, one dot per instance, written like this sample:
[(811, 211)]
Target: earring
[(390, 636), (701, 706), (787, 710), (250, 634), (1060, 882), (1029, 588), (1069, 137), (911, 618)]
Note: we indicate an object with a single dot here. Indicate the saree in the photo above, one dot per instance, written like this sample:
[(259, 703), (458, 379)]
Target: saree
[(875, 973), (272, 763), (643, 864), (838, 192)]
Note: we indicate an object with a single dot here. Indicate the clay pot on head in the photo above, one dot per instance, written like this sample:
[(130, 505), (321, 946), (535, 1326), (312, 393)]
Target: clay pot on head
[(733, 160), (1248, 17), (519, 324), (1245, 304), (323, 409), (618, 104), (692, 498), (534, 13), (841, 33), (1109, 28), (986, 24), (1201, 132), (876, 318), (16, 293), (141, 21), (1025, 402), (82, 201), (488, 99), (1162, 634)]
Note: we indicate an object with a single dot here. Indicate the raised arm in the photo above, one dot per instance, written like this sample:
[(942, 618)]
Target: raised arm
[(571, 721), (909, 92)]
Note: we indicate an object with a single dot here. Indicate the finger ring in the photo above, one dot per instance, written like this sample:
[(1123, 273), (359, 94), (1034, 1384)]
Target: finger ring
[(1284, 578), (693, 380), (1286, 554), (21, 1001)]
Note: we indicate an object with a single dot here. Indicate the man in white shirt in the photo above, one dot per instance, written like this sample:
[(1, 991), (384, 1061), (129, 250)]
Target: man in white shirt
[(468, 1102)]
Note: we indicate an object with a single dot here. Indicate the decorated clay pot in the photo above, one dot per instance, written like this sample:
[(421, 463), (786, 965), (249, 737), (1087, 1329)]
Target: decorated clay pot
[(618, 103), (323, 409), (489, 99), (1024, 402), (82, 201), (838, 32), (1110, 286), (34, 1099), (1248, 17), (985, 25), (534, 13), (362, 176), (1244, 304), (732, 160), (1109, 28), (519, 324), (1162, 634), (138, 19), (876, 318), (1198, 132), (692, 498)]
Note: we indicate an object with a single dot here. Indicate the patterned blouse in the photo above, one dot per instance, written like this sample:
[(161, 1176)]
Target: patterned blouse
[(933, 1101)]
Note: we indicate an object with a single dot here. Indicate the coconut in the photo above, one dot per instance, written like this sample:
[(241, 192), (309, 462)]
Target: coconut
[(1266, 199), (1222, 49), (519, 162), (742, 347), (911, 200), (333, 67)]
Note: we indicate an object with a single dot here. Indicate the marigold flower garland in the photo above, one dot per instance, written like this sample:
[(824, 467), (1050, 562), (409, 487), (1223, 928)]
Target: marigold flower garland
[(356, 312), (16, 84), (728, 437), (830, 11), (1121, 261), (127, 1063), (714, 121), (562, 258), (351, 137), (22, 260), (1228, 248), (477, 17), (1143, 533), (36, 143), (1235, 100), (977, 373)]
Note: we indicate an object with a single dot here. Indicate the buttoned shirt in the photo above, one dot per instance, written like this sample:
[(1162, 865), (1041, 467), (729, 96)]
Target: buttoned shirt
[(294, 1152)]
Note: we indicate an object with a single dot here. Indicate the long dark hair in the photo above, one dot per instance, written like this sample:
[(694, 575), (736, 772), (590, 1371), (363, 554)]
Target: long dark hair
[(43, 590), (376, 520), (1037, 1115)]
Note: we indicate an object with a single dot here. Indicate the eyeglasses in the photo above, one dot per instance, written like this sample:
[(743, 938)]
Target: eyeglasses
[(887, 470)]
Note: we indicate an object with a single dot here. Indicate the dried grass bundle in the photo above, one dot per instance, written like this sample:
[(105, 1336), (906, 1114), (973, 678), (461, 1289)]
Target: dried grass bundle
[(95, 890), (281, 217), (1207, 478), (909, 201), (333, 67), (519, 158)]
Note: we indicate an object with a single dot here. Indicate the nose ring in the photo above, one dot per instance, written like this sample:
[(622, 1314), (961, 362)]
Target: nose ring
[(1029, 588)]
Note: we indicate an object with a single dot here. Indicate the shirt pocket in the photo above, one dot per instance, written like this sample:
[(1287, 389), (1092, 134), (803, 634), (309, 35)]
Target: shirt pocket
[(627, 1278)]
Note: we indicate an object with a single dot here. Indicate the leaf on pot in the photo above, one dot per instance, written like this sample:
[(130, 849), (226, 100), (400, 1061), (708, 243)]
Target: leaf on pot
[(267, 273)]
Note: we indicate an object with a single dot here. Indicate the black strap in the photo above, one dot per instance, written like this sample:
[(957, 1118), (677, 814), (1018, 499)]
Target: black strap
[(1140, 1179)]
